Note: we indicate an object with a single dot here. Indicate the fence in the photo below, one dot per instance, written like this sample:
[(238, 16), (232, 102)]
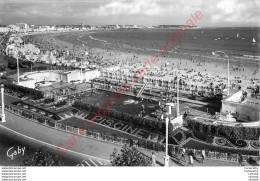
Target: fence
[(121, 141), (157, 82), (213, 155), (46, 121)]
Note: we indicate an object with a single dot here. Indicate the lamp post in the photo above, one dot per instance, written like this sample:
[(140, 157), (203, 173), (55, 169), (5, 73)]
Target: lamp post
[(166, 160), (177, 90), (81, 80), (218, 53), (18, 77), (3, 104), (178, 100)]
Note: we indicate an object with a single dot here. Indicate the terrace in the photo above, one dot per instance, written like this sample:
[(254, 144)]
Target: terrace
[(245, 108)]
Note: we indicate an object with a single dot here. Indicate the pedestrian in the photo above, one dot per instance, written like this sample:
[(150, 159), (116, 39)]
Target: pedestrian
[(240, 159), (183, 154), (190, 159), (153, 159), (203, 155), (185, 115)]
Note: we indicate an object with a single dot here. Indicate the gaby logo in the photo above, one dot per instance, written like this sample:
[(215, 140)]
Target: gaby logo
[(11, 152)]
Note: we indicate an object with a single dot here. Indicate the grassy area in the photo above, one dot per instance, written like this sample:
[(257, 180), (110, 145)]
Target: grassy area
[(74, 121), (9, 99), (194, 144)]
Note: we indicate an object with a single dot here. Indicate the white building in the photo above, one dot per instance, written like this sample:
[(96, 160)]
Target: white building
[(4, 29), (32, 79), (23, 26), (248, 109)]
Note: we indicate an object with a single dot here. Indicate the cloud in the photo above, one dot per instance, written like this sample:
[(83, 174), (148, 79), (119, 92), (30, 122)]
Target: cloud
[(237, 12), (140, 12), (136, 7)]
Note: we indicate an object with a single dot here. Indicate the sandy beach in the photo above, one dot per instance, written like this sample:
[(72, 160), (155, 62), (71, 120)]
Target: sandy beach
[(197, 69)]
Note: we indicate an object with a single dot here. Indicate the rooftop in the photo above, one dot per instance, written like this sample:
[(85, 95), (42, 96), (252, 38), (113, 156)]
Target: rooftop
[(238, 97)]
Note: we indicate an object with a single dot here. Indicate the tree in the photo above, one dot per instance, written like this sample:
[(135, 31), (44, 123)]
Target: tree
[(42, 158), (129, 156)]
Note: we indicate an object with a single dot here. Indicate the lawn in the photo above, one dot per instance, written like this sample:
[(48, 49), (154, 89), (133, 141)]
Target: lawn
[(74, 121), (9, 99), (194, 144)]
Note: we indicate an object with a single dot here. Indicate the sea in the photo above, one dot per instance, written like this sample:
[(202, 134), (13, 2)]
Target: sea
[(237, 41)]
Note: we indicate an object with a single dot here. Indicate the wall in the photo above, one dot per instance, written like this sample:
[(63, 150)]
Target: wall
[(244, 110), (91, 74)]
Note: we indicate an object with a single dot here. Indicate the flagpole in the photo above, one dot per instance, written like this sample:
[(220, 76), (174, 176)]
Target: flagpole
[(17, 60), (81, 71), (3, 104), (228, 78), (81, 79), (177, 90), (178, 101)]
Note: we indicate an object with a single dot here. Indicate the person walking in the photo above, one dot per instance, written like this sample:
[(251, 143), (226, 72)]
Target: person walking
[(203, 155), (183, 154), (190, 159), (153, 159), (240, 159)]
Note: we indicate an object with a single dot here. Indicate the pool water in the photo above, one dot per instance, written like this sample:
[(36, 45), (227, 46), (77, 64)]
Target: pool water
[(128, 104)]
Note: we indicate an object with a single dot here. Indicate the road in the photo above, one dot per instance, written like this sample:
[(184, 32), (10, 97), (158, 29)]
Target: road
[(36, 135)]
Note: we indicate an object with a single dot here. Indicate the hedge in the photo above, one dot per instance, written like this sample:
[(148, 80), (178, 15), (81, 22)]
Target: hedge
[(35, 94), (229, 132), (153, 125)]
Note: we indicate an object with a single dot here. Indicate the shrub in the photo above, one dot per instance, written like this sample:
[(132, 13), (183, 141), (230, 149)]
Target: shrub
[(74, 111), (129, 156), (147, 123), (60, 104), (35, 94), (42, 158), (40, 119), (48, 100), (230, 132)]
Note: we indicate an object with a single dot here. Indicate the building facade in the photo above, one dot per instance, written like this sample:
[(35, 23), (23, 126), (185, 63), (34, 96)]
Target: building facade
[(247, 109)]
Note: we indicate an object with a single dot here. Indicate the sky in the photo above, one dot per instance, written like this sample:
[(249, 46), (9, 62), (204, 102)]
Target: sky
[(216, 13)]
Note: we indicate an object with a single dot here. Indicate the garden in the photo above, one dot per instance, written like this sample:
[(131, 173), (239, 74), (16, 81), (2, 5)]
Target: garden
[(107, 134), (51, 110), (146, 123), (204, 130), (20, 91)]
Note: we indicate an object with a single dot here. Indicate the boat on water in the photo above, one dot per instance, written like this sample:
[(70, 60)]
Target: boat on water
[(243, 38), (253, 41), (237, 35)]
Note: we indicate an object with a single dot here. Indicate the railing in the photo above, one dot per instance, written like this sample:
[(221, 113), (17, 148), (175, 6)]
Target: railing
[(187, 88), (121, 141), (142, 90), (46, 121), (50, 123), (212, 155)]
